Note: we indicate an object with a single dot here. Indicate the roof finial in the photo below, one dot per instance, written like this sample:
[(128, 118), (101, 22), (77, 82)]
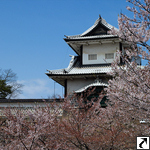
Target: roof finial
[(100, 16)]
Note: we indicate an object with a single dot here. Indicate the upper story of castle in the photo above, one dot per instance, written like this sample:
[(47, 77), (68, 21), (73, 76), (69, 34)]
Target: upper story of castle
[(96, 49), (96, 45)]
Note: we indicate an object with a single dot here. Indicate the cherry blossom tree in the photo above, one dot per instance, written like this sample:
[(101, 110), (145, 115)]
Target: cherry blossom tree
[(32, 129), (83, 126), (130, 86)]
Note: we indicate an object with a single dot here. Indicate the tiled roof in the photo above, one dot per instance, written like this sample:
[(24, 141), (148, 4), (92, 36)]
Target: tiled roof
[(90, 85), (101, 21), (76, 68), (91, 37), (29, 100)]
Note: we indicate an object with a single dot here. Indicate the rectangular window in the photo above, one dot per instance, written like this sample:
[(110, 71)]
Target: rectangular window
[(92, 57), (109, 56)]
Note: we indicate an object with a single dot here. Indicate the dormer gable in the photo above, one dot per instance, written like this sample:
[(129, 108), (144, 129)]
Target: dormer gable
[(100, 30), (100, 27)]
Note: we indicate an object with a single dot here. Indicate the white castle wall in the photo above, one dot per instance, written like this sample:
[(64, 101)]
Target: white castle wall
[(76, 84), (100, 50)]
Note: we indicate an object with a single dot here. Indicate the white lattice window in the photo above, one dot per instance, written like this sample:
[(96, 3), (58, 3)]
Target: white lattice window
[(92, 57), (109, 56)]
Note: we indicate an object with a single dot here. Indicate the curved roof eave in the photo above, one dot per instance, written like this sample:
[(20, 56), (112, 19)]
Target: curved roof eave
[(90, 85)]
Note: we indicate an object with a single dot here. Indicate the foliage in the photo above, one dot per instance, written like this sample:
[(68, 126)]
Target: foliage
[(4, 89), (131, 83), (83, 126), (8, 85)]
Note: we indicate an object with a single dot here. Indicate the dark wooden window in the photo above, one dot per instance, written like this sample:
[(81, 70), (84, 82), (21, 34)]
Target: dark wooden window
[(109, 56), (92, 57)]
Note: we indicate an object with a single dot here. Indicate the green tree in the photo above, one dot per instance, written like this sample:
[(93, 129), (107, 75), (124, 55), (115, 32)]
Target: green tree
[(4, 89), (9, 87)]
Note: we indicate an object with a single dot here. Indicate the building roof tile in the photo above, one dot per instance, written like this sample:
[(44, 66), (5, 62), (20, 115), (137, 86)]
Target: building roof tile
[(92, 37), (75, 68)]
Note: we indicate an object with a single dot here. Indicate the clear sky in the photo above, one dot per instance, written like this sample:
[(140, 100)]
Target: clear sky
[(32, 32)]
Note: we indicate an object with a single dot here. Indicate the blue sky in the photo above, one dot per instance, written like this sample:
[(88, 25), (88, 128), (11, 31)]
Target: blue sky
[(32, 32)]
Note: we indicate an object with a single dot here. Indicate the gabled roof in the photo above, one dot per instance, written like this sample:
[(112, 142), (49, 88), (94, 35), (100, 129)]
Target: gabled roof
[(99, 32), (98, 22), (101, 23), (75, 69)]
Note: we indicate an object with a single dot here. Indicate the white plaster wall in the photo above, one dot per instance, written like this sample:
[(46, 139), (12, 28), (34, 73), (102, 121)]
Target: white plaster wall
[(100, 50), (76, 84)]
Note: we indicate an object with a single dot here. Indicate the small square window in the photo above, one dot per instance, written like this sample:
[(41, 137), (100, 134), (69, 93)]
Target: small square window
[(92, 57), (109, 56)]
